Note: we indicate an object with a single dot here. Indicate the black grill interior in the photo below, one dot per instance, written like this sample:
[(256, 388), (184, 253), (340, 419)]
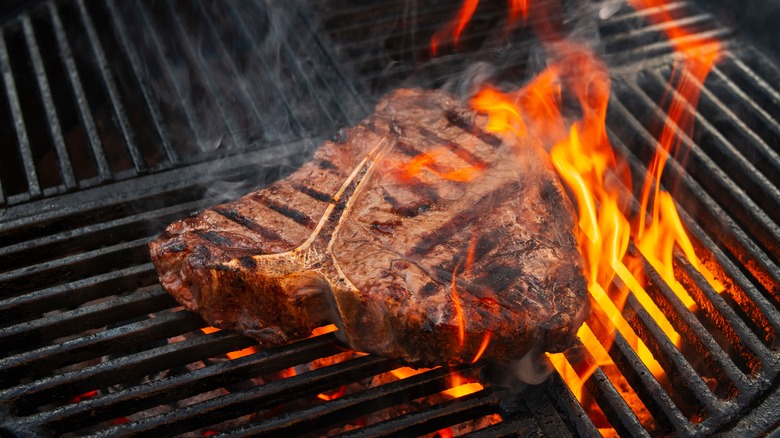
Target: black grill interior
[(119, 117)]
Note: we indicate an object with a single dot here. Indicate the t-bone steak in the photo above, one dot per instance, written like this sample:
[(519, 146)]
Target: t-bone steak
[(416, 232)]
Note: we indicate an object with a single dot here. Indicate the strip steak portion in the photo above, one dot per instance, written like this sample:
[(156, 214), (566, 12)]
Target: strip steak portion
[(421, 236)]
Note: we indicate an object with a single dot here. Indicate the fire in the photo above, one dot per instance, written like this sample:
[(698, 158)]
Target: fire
[(460, 386), (433, 161), (455, 28), (233, 354), (458, 311), (585, 161)]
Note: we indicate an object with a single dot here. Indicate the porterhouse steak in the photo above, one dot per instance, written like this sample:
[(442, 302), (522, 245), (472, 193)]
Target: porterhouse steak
[(420, 235)]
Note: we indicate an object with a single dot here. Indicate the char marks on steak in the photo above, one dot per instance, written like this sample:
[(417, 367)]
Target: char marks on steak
[(416, 232)]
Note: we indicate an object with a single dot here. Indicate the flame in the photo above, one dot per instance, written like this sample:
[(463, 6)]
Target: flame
[(333, 395), (456, 28), (324, 329), (657, 238), (483, 346), (233, 354), (518, 8), (431, 161), (585, 161), (460, 386), (458, 310), (405, 372)]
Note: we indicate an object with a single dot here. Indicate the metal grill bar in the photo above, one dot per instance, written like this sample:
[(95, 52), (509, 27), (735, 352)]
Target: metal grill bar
[(550, 422), (627, 13), (351, 406), (451, 412), (42, 361), (132, 227), (665, 47), (182, 386), (74, 267), (339, 99), (72, 322), (746, 174), (110, 87), (710, 214), (756, 150), (620, 415), (85, 114), (241, 403), (572, 411), (18, 308), (66, 169), (704, 168), (690, 329), (123, 36), (159, 52), (647, 387), (123, 369), (247, 96), (289, 113), (23, 143), (649, 34), (203, 73)]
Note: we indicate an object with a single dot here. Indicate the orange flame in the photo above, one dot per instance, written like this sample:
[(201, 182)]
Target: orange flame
[(518, 8), (483, 346), (432, 161), (458, 310), (456, 29), (233, 354), (656, 240), (461, 387)]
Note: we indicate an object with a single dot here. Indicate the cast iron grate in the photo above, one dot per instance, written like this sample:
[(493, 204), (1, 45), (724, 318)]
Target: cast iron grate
[(95, 92), (79, 300)]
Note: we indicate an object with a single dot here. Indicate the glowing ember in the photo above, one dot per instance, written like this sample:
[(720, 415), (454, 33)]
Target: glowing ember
[(460, 386), (233, 354)]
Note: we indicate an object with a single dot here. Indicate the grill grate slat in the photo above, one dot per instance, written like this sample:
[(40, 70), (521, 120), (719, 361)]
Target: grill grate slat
[(80, 97), (40, 362), (23, 143), (181, 386), (66, 168), (122, 370), (161, 130), (362, 403), (240, 403), (598, 385), (110, 87)]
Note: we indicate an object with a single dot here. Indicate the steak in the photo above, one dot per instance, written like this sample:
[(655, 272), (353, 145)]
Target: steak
[(420, 235)]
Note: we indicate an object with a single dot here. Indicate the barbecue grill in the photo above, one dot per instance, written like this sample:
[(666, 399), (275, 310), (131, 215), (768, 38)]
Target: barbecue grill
[(119, 117)]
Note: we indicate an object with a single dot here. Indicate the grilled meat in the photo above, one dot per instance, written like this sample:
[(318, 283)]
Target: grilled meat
[(420, 235)]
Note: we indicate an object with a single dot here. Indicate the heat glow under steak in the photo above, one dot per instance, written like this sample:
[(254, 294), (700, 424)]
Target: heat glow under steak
[(420, 235)]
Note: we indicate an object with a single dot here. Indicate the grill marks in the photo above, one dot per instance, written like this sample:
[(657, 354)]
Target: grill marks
[(461, 122), (247, 223), (297, 216), (456, 149), (313, 193), (463, 218)]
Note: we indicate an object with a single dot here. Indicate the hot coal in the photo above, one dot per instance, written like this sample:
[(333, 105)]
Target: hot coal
[(419, 234)]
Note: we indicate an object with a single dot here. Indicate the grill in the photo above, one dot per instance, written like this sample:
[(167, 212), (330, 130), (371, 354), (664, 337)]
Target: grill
[(119, 117)]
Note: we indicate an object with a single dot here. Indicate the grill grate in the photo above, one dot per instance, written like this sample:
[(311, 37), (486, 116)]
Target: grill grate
[(135, 103)]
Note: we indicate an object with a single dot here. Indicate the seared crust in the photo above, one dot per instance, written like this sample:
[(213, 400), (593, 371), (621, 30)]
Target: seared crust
[(479, 239)]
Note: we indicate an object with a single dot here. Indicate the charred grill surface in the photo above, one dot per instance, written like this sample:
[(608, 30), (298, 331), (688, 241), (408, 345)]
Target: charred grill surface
[(425, 236)]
